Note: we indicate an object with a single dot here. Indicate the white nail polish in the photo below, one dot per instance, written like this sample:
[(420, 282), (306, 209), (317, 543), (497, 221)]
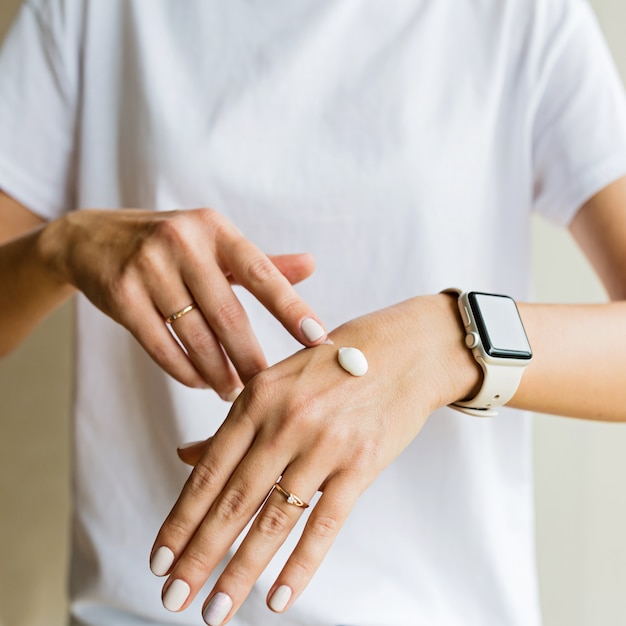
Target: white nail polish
[(280, 598), (311, 329), (217, 609), (161, 561), (353, 361), (233, 395), (176, 595)]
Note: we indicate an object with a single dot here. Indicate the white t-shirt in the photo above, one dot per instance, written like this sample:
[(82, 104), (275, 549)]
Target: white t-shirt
[(422, 132)]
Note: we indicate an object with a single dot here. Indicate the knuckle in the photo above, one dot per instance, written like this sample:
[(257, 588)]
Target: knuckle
[(119, 290), (260, 270), (150, 258), (298, 413), (199, 341), (160, 353), (204, 479), (238, 575), (366, 455), (301, 568), (322, 527), (232, 505), (303, 415), (178, 529), (259, 390), (273, 522), (208, 216), (171, 231), (290, 305), (219, 226), (229, 314), (195, 559)]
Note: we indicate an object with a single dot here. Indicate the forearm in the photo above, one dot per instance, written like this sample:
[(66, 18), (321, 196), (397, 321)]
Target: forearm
[(579, 360), (30, 286), (579, 355)]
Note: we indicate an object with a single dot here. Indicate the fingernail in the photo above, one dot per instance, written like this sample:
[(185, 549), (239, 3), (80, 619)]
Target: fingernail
[(176, 595), (280, 598), (217, 609), (161, 561), (311, 329), (233, 395), (190, 444)]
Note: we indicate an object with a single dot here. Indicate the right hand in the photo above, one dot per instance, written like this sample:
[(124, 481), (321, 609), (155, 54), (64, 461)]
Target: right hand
[(139, 267)]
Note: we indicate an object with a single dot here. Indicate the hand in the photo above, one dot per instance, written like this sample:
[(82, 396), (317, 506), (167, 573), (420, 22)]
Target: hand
[(140, 267), (309, 421)]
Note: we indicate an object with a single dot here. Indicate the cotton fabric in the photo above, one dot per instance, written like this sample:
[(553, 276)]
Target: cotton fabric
[(405, 145)]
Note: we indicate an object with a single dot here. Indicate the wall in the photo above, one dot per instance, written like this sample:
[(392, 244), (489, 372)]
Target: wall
[(580, 467), (34, 471)]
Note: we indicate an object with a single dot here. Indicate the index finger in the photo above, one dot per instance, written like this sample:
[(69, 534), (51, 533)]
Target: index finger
[(255, 271)]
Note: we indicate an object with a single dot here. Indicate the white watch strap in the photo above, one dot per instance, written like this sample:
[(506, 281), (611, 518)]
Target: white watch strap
[(491, 394)]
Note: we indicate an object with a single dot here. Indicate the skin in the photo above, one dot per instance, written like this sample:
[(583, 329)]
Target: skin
[(320, 428), (139, 267)]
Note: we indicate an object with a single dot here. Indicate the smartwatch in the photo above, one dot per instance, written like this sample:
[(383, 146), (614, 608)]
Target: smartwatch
[(495, 334)]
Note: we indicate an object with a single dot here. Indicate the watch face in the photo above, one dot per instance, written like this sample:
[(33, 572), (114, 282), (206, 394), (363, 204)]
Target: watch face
[(500, 326)]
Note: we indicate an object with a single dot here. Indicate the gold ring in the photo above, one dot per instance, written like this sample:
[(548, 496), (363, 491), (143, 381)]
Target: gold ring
[(174, 316), (291, 498)]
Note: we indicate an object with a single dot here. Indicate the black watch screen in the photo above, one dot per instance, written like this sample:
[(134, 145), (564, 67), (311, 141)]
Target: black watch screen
[(500, 326)]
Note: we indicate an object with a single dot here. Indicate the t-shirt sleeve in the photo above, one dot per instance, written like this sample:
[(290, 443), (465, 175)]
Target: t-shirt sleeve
[(579, 126), (39, 86)]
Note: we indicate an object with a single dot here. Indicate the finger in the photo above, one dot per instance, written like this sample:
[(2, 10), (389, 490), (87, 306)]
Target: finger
[(226, 317), (205, 482), (155, 338), (294, 267), (191, 453), (272, 525), (321, 530), (255, 271), (190, 328), (208, 480), (229, 511), (206, 353)]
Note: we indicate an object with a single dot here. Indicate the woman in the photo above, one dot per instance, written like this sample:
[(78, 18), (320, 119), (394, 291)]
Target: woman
[(404, 147)]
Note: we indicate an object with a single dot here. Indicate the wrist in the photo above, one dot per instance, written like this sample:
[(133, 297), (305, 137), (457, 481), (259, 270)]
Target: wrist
[(417, 347), (52, 246), (464, 376)]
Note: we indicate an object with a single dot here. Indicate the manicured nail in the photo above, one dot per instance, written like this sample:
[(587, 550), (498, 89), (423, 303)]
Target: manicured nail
[(217, 609), (161, 561), (311, 329), (176, 595), (280, 598), (233, 395)]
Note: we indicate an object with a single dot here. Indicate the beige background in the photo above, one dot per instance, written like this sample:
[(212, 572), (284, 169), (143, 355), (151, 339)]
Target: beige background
[(580, 467)]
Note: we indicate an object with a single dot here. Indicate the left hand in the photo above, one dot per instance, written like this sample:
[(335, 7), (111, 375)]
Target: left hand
[(320, 428)]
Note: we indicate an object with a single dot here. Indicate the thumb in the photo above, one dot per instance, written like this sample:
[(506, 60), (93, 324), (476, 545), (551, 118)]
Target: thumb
[(190, 453), (294, 267)]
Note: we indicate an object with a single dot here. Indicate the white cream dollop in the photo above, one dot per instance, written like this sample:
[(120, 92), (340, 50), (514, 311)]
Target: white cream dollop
[(353, 361)]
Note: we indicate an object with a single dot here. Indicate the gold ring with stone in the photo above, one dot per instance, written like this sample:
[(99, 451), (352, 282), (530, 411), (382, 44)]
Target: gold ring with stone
[(291, 498), (175, 316)]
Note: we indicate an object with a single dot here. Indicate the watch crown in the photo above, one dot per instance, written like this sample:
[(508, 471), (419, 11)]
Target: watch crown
[(471, 340)]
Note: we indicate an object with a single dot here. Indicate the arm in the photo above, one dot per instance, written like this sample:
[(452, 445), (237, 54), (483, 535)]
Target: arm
[(304, 419), (580, 350), (29, 290), (139, 267)]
